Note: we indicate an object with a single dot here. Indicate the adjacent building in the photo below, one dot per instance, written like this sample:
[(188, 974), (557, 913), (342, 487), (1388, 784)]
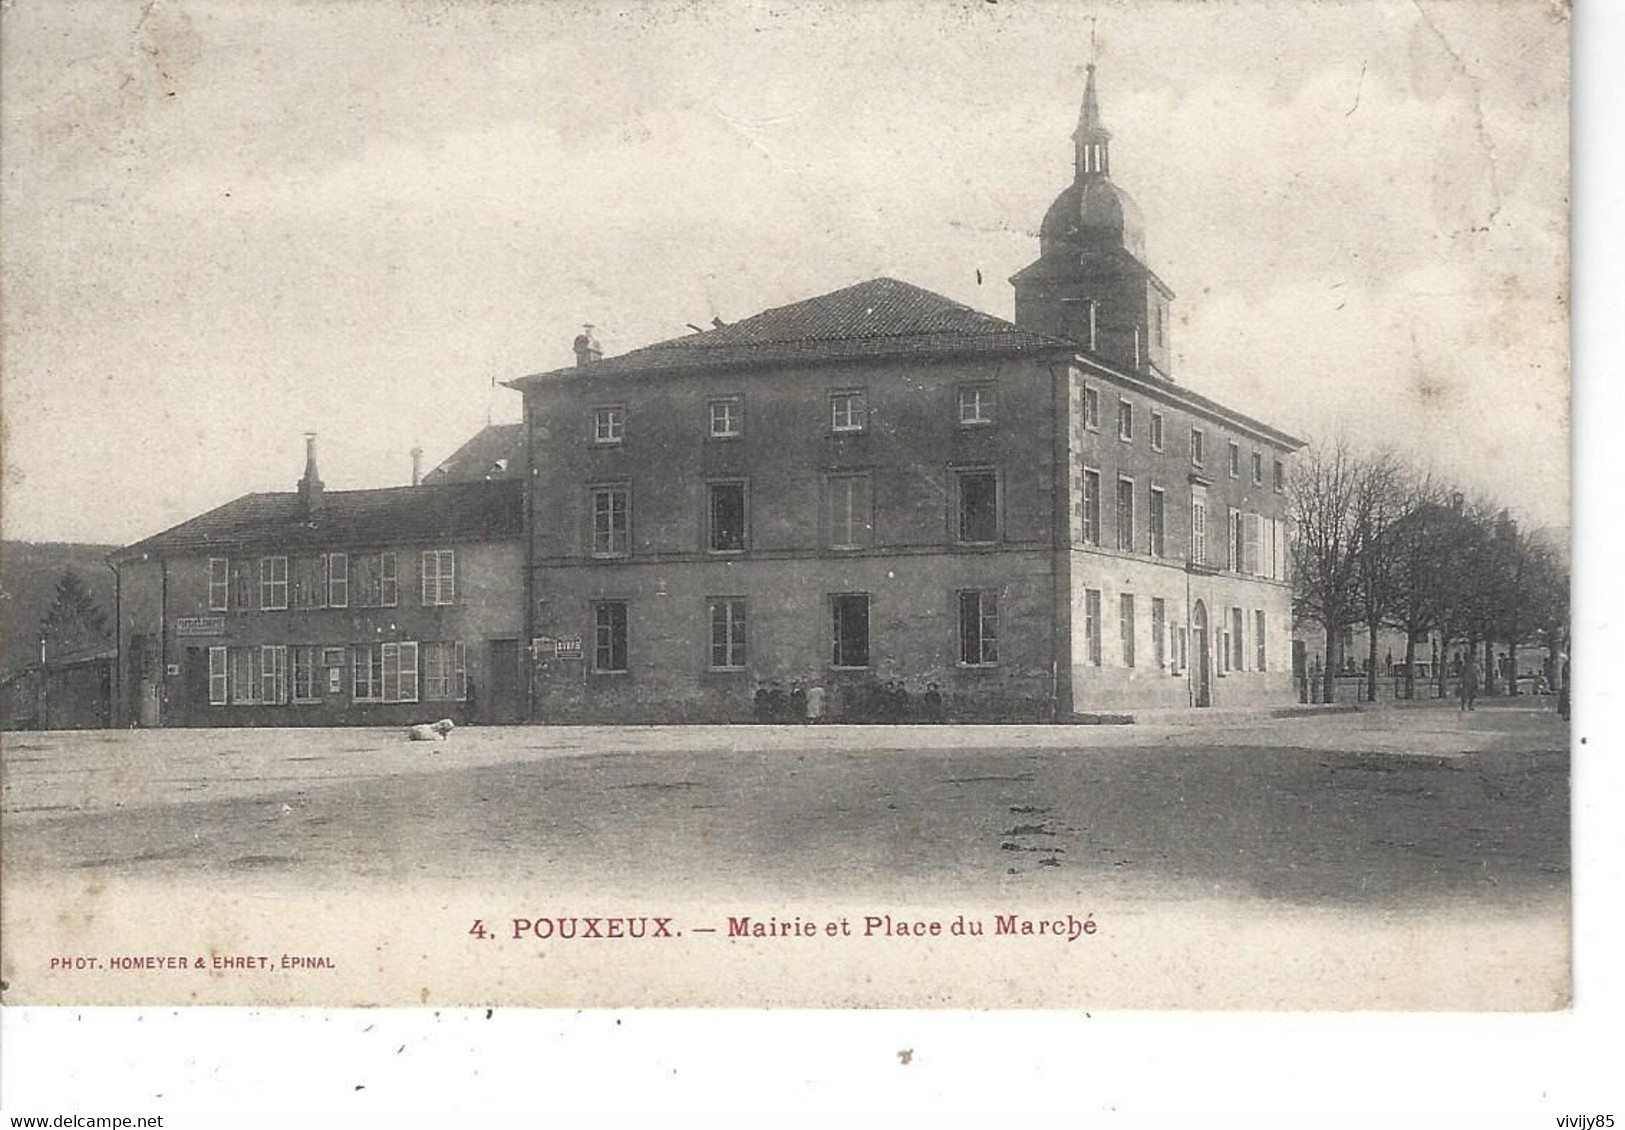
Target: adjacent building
[(315, 607), (880, 486)]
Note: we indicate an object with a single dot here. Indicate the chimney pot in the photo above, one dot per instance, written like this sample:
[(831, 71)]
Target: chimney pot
[(417, 465)]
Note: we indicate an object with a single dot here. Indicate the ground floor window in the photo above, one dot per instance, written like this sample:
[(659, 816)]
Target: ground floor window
[(274, 674), (1125, 626), (445, 671), (1159, 612), (1237, 645), (850, 630), (978, 628), (386, 672), (727, 633), (1091, 624), (245, 676), (1258, 637), (307, 685), (609, 635)]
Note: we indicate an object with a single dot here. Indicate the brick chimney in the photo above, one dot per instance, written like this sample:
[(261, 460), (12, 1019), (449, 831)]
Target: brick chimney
[(417, 465), (587, 348), (310, 487)]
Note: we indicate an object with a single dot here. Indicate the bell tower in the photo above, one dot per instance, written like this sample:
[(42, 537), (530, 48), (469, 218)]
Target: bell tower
[(1091, 283)]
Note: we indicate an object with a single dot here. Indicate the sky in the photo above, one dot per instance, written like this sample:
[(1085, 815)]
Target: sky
[(229, 223)]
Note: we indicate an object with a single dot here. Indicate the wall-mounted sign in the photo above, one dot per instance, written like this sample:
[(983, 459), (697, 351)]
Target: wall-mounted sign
[(567, 647), (200, 626), (332, 657)]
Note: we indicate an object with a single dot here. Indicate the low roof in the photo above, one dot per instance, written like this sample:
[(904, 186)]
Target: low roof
[(879, 318), (421, 515), (497, 451)]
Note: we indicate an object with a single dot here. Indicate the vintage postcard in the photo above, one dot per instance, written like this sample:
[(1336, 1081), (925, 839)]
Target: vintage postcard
[(923, 504)]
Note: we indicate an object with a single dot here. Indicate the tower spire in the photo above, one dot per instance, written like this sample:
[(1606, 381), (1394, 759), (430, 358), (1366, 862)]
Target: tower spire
[(1091, 140)]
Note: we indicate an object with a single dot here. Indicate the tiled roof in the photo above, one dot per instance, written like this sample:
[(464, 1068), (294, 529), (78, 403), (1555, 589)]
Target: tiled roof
[(879, 318), (447, 512), (497, 451)]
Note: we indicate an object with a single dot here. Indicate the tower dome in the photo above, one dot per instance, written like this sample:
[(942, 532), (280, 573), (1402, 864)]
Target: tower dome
[(1092, 214)]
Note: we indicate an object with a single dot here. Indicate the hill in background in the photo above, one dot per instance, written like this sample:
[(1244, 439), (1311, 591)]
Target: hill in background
[(29, 572)]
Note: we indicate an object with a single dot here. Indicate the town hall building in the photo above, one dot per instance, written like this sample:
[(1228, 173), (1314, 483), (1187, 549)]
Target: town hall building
[(880, 487)]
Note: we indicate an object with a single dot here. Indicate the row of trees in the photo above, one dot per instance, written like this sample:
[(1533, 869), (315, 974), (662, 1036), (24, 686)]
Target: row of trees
[(1378, 543)]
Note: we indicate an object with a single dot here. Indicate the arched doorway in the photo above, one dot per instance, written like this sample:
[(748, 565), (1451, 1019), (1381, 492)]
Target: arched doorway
[(1201, 669)]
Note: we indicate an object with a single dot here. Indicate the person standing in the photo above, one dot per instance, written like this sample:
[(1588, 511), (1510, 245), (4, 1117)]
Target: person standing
[(1469, 682), (1563, 701), (815, 703)]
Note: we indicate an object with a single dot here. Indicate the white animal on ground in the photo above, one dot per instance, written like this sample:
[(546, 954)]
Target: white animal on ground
[(430, 731)]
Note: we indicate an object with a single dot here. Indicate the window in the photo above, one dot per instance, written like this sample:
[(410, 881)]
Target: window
[(439, 578), (1125, 626), (1258, 639), (725, 521), (847, 412), (1091, 408), (978, 628), (851, 512), (850, 630), (1125, 515), (1091, 624), (727, 633), (1197, 453), (727, 418), (310, 582), (1155, 519), (245, 675), (273, 583), (1159, 641), (338, 580), (218, 679), (1280, 476), (369, 673), (242, 585), (1091, 507), (1238, 655), (445, 671), (219, 584), (1159, 322), (1258, 469), (1125, 421), (975, 404), (400, 663), (1198, 528), (978, 506), (1235, 460), (307, 686), (610, 521), (1252, 524), (1233, 542), (609, 636), (608, 424), (274, 674), (1184, 648), (1156, 431), (389, 589)]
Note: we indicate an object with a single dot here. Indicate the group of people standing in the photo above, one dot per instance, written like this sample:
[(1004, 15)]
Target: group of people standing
[(868, 701)]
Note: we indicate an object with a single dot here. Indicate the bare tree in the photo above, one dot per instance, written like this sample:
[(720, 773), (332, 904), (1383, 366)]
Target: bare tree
[(1334, 497), (1381, 502)]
